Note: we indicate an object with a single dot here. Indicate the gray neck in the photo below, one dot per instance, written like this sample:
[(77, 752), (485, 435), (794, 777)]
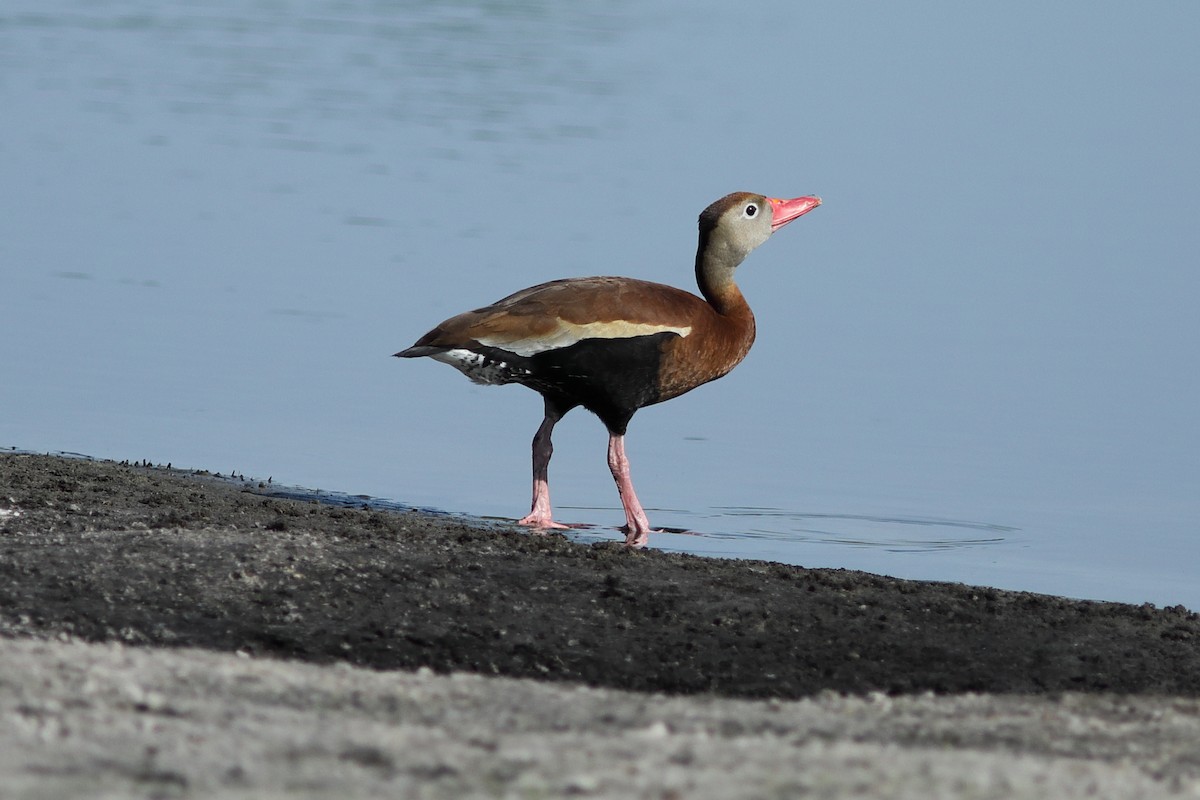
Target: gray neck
[(716, 262)]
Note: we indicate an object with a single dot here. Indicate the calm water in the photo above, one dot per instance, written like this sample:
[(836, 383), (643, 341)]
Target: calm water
[(979, 361)]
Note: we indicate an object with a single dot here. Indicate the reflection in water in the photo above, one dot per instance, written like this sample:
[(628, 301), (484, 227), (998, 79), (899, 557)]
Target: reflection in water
[(889, 534), (894, 534)]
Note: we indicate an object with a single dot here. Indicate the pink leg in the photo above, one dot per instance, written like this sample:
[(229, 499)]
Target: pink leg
[(637, 526), (540, 515)]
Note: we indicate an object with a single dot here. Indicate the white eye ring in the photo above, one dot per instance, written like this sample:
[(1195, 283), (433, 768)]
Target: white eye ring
[(750, 210)]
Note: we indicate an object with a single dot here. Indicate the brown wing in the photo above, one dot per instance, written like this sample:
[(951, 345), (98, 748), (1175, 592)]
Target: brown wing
[(558, 314)]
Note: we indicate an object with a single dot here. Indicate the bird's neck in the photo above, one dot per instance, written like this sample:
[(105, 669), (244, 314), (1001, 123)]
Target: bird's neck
[(715, 265)]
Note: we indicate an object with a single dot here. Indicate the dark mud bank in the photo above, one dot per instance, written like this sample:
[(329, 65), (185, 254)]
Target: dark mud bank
[(105, 551)]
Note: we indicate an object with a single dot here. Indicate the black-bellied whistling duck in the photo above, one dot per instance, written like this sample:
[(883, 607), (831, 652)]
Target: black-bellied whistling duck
[(613, 345)]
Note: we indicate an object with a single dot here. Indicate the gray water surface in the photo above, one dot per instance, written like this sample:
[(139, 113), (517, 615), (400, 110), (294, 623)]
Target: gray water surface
[(978, 361)]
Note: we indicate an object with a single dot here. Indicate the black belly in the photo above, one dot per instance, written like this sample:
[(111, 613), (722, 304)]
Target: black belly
[(612, 378)]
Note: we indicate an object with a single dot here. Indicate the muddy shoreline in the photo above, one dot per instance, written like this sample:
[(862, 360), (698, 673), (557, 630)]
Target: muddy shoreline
[(160, 563), (104, 551)]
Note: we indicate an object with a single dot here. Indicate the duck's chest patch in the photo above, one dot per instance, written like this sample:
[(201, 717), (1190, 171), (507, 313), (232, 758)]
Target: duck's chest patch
[(481, 367)]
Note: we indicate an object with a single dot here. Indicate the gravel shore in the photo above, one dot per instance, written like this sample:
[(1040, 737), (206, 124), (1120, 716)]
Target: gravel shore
[(168, 634)]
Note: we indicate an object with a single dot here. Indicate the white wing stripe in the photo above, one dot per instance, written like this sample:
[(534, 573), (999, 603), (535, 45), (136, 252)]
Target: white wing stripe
[(568, 334)]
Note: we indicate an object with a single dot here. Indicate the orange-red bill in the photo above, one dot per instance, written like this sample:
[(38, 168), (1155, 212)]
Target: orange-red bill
[(784, 211)]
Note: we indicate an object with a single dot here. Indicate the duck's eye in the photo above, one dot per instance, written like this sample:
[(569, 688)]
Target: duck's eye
[(751, 210)]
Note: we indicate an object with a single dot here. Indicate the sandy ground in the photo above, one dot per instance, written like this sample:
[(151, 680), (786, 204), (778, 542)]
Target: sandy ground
[(170, 635)]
